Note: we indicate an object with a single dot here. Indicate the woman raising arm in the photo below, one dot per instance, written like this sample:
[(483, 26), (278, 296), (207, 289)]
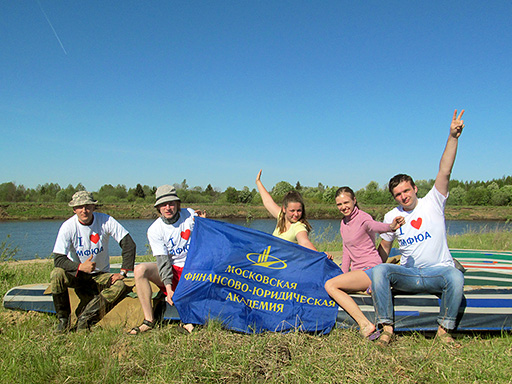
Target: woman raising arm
[(292, 224)]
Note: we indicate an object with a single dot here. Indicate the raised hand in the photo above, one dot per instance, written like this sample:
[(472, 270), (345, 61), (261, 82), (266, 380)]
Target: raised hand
[(457, 124), (258, 178), (268, 201), (450, 151)]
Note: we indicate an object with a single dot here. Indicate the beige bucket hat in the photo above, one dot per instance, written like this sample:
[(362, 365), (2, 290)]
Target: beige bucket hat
[(166, 193), (82, 198)]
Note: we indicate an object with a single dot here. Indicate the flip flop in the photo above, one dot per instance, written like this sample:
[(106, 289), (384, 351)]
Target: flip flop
[(374, 335)]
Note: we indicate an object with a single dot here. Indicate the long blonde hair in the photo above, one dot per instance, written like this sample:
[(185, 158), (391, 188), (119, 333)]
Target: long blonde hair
[(292, 197)]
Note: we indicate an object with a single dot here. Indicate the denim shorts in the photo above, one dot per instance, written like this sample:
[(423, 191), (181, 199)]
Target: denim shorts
[(368, 271)]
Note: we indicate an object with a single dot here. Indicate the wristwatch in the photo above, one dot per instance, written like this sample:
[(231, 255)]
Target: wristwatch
[(123, 273)]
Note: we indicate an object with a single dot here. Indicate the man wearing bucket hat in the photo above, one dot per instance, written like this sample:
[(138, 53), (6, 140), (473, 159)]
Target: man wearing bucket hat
[(169, 238), (82, 262)]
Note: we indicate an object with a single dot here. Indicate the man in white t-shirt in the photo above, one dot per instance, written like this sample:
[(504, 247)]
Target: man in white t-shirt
[(82, 262), (169, 238), (426, 265)]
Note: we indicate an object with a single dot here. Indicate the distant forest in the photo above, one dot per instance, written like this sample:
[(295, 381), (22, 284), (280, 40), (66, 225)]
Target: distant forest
[(496, 192)]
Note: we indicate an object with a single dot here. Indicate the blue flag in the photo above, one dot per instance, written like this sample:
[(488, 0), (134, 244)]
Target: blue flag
[(254, 282)]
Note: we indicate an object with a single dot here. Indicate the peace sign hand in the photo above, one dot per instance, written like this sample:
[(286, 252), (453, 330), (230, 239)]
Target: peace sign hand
[(457, 125)]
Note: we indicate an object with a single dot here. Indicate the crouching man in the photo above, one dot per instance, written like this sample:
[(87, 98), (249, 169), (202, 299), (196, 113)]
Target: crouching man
[(82, 262)]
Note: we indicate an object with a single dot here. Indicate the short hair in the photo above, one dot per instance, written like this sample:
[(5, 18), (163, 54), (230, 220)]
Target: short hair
[(397, 179)]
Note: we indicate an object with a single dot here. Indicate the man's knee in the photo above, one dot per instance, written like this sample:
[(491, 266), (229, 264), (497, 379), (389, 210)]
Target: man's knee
[(140, 270), (57, 274), (145, 271), (380, 272), (455, 278), (115, 291), (58, 280)]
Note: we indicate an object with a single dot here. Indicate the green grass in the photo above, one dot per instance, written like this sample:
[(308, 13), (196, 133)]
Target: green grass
[(142, 210), (31, 353), (7, 250), (501, 241)]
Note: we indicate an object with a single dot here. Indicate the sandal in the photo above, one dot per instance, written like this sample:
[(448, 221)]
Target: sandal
[(384, 342), (374, 335), (185, 328), (137, 330)]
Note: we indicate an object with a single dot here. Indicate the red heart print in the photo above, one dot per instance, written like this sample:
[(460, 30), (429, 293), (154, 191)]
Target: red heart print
[(95, 238), (417, 223), (185, 234)]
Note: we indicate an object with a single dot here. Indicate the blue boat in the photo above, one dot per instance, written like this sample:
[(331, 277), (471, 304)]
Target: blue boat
[(486, 306)]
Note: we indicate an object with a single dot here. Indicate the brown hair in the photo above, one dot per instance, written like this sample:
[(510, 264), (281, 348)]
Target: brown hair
[(346, 190), (292, 197), (397, 179)]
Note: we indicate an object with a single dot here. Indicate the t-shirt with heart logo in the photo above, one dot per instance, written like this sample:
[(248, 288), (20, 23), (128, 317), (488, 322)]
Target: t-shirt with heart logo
[(172, 239), (422, 240), (79, 242)]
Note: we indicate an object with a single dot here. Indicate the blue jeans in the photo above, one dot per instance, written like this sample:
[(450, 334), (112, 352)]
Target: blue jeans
[(446, 281)]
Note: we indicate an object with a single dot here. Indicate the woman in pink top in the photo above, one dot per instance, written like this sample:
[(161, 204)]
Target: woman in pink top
[(358, 231)]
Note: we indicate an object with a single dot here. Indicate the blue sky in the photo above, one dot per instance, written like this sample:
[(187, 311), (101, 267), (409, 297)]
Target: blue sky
[(337, 92)]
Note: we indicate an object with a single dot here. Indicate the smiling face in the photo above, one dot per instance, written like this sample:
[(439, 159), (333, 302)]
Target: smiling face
[(405, 195), (293, 212), (84, 213), (169, 209), (345, 204)]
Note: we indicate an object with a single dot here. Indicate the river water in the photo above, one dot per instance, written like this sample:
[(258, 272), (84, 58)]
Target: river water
[(35, 239)]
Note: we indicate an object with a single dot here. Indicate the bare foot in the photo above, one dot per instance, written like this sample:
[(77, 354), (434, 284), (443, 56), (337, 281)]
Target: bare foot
[(186, 328), (444, 336), (367, 330)]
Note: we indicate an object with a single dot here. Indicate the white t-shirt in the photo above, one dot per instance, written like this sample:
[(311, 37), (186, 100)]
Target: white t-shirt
[(422, 240), (79, 241), (172, 239)]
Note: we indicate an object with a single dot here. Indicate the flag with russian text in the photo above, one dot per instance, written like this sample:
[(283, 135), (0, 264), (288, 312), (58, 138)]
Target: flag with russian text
[(254, 282)]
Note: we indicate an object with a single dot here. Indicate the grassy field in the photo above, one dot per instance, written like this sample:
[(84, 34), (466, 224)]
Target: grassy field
[(32, 353)]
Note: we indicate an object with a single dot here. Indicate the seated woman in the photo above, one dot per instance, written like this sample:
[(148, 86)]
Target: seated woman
[(358, 231), (292, 224)]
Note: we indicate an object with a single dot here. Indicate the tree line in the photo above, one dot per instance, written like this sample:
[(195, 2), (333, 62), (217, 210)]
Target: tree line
[(496, 192)]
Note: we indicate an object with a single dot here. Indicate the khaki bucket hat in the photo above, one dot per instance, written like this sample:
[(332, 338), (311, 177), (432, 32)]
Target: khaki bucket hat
[(82, 198), (166, 193)]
